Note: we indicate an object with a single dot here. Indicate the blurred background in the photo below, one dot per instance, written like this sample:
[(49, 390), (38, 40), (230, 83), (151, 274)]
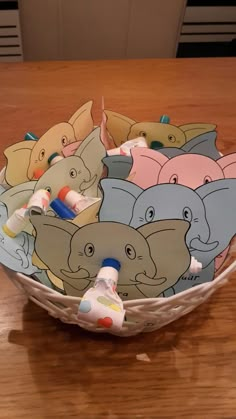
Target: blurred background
[(116, 29)]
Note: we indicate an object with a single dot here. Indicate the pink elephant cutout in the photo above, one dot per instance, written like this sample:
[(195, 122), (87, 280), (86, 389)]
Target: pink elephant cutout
[(70, 149), (192, 170)]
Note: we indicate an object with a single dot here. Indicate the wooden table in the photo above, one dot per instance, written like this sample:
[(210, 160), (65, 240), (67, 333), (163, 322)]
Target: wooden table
[(51, 370)]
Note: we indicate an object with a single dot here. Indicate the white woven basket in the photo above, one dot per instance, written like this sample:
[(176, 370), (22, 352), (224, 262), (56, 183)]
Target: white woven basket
[(145, 315)]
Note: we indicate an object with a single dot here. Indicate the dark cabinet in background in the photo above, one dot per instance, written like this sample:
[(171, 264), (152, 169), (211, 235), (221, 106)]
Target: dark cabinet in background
[(209, 29)]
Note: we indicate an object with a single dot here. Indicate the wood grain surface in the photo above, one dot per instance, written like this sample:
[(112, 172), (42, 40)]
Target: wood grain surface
[(52, 370)]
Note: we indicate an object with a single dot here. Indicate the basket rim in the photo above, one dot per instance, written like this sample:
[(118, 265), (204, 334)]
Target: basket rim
[(218, 281), (146, 315)]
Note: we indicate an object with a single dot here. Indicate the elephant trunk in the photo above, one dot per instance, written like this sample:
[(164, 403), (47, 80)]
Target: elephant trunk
[(197, 244), (86, 184), (146, 280)]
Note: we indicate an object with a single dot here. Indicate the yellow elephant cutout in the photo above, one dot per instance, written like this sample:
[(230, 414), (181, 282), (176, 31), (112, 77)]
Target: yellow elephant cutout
[(81, 172), (121, 128), (24, 157), (57, 282), (87, 216), (74, 254)]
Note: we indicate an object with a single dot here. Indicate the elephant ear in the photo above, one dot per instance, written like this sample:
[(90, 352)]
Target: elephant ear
[(118, 166), (171, 152), (92, 151), (147, 165), (105, 137), (119, 197), (169, 251), (2, 190), (70, 149), (118, 126), (192, 130), (82, 121), (17, 196), (88, 216), (204, 144), (18, 158), (219, 198), (228, 165), (52, 242)]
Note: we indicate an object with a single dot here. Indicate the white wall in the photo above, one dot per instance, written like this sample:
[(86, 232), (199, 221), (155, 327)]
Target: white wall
[(100, 29)]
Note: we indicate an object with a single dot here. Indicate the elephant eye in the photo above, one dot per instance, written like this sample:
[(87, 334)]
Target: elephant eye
[(207, 179), (143, 134), (89, 249), (64, 140), (73, 173), (187, 214), (48, 189), (130, 252), (149, 215), (41, 154), (171, 138), (174, 179)]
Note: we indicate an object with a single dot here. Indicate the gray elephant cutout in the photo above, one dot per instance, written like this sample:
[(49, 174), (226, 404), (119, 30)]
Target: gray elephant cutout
[(75, 254), (204, 144), (16, 253), (171, 152), (219, 199), (42, 278), (2, 189), (211, 211), (118, 167), (17, 196), (127, 203), (189, 280), (117, 202)]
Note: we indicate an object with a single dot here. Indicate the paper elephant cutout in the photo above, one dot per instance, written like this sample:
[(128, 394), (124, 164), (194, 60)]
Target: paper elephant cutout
[(120, 166), (211, 211), (43, 278), (193, 170), (87, 216), (28, 156), (189, 280), (16, 253), (75, 254), (81, 172), (204, 144), (122, 128)]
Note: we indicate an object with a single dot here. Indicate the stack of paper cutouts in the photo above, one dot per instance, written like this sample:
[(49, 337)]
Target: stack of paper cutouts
[(158, 199)]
